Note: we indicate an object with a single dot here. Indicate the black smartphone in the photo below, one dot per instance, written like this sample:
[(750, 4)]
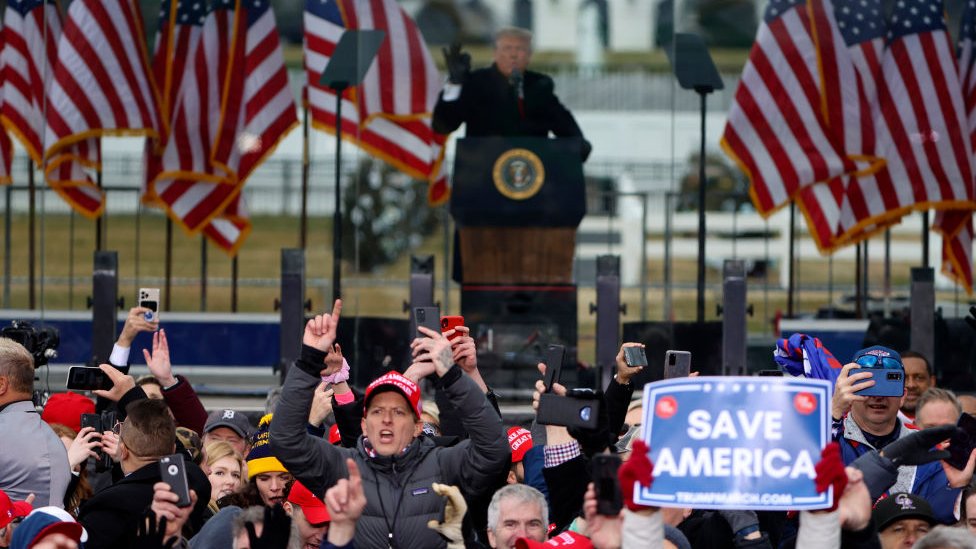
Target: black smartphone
[(428, 317), (677, 364), (87, 378), (92, 420), (962, 442), (554, 363), (173, 470), (609, 499), (635, 356), (95, 422), (568, 411)]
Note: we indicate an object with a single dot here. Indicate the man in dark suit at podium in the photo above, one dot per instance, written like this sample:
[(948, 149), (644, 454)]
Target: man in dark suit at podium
[(504, 99)]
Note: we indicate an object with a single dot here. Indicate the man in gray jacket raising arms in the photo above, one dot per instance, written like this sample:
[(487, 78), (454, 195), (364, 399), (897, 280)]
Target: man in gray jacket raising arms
[(398, 465)]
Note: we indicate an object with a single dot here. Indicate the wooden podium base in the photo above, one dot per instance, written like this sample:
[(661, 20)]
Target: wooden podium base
[(517, 255)]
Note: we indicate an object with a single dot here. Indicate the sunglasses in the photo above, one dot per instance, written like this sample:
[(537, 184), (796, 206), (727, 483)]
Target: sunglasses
[(874, 361)]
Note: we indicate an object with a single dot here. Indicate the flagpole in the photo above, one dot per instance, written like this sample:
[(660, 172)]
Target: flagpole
[(857, 282), (791, 285), (338, 88), (168, 265), (233, 285), (203, 273), (8, 194), (925, 239), (887, 273), (98, 221), (32, 228), (303, 242)]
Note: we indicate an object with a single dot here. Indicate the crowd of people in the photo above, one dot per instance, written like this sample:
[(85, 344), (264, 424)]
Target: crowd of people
[(331, 466)]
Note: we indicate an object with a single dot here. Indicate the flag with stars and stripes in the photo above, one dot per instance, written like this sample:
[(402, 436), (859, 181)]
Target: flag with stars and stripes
[(921, 105), (388, 114), (6, 146), (31, 32), (180, 24), (99, 85), (850, 39), (31, 29), (233, 108), (957, 250), (775, 131)]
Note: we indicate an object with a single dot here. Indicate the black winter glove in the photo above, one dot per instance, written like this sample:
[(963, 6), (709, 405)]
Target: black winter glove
[(150, 532), (276, 532), (458, 63), (914, 449)]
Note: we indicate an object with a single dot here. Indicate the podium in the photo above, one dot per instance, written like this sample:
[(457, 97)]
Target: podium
[(517, 202)]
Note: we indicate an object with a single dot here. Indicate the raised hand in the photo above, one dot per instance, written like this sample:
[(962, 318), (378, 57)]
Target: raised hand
[(83, 446), (136, 322), (158, 362), (458, 63), (321, 404), (345, 501), (436, 348), (320, 331), (624, 370), (844, 390), (169, 514), (121, 383), (276, 530), (454, 510), (336, 367)]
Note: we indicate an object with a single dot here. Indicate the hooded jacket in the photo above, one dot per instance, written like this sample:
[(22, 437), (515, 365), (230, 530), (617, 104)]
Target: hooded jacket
[(399, 497)]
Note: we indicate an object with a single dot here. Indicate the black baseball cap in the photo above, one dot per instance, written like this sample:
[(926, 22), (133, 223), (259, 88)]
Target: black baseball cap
[(901, 506)]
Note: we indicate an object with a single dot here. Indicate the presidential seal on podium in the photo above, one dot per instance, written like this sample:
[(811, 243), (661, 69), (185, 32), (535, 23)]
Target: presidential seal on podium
[(518, 174)]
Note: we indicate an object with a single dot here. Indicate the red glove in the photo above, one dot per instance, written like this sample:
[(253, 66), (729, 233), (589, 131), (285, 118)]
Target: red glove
[(830, 471), (637, 469)]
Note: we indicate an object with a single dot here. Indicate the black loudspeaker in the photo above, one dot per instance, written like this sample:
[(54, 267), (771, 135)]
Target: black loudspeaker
[(607, 314), (105, 295), (291, 305), (923, 311), (421, 288), (373, 346), (513, 325), (702, 339)]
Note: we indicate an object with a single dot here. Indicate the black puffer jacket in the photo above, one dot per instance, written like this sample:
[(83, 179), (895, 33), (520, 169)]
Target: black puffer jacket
[(399, 498)]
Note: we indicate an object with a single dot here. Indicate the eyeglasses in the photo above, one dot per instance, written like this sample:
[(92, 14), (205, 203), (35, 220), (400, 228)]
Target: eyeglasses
[(875, 361)]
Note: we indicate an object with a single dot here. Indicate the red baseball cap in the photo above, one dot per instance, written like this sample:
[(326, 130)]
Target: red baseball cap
[(394, 381), (314, 508), (520, 441), (334, 436), (10, 510), (66, 409), (566, 539)]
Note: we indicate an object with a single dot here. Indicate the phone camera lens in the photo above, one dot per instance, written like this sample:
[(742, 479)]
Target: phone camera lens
[(585, 413)]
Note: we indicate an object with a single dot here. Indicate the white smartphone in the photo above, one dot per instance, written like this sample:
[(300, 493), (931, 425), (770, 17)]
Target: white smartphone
[(149, 298)]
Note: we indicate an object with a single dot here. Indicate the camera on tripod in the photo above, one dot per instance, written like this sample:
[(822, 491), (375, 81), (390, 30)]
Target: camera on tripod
[(41, 343)]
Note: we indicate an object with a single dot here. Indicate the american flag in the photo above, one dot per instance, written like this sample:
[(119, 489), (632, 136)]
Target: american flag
[(957, 249), (31, 29), (217, 139), (921, 103), (775, 131), (388, 114), (100, 85), (180, 24), (6, 146), (850, 41)]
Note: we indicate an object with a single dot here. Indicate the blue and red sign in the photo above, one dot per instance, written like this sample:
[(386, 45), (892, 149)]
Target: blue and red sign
[(736, 442)]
